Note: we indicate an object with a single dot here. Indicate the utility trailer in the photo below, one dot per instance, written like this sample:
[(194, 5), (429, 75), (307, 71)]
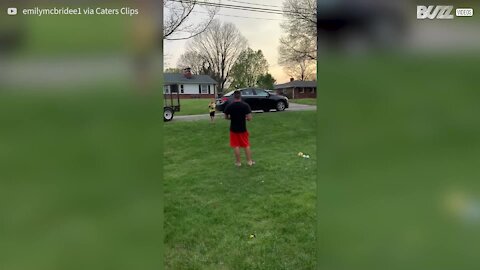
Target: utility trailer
[(171, 103)]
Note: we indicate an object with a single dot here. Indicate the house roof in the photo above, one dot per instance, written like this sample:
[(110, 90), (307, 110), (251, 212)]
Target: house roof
[(179, 78), (296, 84)]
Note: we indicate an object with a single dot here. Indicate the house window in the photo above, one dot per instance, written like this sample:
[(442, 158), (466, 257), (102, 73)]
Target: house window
[(166, 89), (312, 90), (302, 90), (204, 88), (181, 89)]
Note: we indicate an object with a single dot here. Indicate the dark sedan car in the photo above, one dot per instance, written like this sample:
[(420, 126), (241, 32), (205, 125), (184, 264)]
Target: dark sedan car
[(258, 99)]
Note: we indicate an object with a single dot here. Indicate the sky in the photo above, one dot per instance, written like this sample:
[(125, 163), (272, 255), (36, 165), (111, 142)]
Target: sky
[(261, 34)]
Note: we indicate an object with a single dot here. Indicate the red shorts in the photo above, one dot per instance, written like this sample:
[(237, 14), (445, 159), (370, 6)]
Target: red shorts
[(239, 139)]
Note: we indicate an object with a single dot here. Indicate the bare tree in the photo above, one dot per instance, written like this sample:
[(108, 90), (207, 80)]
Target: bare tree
[(301, 69), (193, 60), (178, 21), (219, 46), (298, 47), (302, 13), (301, 28)]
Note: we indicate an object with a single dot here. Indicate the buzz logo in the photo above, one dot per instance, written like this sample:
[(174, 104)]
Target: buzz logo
[(435, 12)]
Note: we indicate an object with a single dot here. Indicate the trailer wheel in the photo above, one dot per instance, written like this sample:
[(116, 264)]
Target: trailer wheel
[(167, 114)]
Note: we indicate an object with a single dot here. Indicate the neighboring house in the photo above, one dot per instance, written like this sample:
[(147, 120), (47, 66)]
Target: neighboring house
[(297, 89), (189, 85)]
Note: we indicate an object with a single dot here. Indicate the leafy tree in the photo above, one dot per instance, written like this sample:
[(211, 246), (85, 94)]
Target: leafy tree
[(266, 81), (248, 69)]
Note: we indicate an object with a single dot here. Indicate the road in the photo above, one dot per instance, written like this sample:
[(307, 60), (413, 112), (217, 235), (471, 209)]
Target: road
[(294, 107)]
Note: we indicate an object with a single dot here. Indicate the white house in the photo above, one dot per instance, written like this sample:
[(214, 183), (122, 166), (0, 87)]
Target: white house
[(189, 85)]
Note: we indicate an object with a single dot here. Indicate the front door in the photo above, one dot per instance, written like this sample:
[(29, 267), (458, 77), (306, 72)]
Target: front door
[(174, 88)]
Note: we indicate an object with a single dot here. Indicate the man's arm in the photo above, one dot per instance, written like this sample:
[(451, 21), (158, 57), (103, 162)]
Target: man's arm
[(248, 113), (226, 112)]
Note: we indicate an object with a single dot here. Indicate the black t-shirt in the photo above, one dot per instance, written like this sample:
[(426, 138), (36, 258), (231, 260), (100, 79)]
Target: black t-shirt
[(238, 111)]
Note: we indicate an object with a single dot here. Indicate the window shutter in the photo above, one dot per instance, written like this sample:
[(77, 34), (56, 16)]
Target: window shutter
[(199, 88), (209, 89)]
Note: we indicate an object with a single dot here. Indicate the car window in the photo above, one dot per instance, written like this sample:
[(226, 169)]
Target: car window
[(261, 93), (229, 93), (247, 92)]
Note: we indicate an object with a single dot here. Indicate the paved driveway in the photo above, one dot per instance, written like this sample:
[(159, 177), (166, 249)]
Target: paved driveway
[(293, 108)]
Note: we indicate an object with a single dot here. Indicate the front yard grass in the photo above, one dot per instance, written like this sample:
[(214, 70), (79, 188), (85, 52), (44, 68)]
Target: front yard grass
[(212, 207), (305, 101), (193, 106)]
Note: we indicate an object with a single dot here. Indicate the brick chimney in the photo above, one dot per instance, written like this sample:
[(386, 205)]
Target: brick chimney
[(187, 72), (292, 79)]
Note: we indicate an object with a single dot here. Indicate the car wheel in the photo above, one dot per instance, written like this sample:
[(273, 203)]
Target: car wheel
[(280, 106), (167, 114)]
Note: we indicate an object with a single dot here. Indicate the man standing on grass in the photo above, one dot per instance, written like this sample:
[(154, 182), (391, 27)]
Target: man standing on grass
[(238, 112)]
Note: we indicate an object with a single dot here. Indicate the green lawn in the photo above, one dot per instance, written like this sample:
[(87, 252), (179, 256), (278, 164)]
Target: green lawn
[(69, 35), (398, 155), (193, 106), (306, 101), (80, 180), (211, 207), (200, 106)]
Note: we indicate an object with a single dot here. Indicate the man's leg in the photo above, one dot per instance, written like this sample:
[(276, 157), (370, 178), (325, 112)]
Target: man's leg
[(248, 153), (236, 150)]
